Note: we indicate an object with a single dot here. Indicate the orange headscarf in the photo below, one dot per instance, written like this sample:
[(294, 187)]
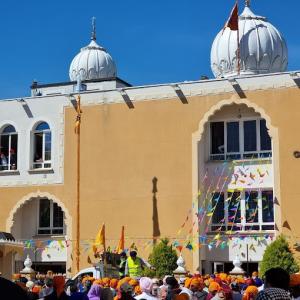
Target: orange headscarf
[(294, 280), (59, 284), (223, 276), (251, 291), (137, 290), (113, 283), (196, 282), (98, 281), (106, 282), (214, 287), (187, 282), (182, 296), (133, 282)]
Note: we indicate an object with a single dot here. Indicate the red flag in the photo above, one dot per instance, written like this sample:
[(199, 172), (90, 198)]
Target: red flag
[(233, 21)]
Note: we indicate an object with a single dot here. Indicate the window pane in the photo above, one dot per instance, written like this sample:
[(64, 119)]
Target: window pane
[(251, 207), (267, 206), (265, 140), (234, 208), (13, 151), (4, 144), (218, 206), (58, 216), (42, 126), (233, 143), (217, 137), (44, 213), (47, 145), (38, 147), (250, 135), (9, 129)]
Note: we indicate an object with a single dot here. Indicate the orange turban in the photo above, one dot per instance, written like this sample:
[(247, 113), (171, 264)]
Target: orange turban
[(254, 274), (214, 287), (241, 280), (182, 296), (127, 279), (294, 280), (196, 282), (137, 290), (123, 280), (187, 282), (223, 276), (251, 291), (113, 283), (105, 282), (98, 282), (133, 282)]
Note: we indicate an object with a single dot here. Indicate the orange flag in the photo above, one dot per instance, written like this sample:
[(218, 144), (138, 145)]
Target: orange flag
[(121, 245), (99, 240), (233, 21)]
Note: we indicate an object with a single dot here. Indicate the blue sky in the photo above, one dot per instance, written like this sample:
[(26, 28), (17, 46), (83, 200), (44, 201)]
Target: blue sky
[(154, 41)]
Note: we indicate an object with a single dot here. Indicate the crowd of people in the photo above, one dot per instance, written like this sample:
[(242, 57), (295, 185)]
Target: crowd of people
[(277, 284)]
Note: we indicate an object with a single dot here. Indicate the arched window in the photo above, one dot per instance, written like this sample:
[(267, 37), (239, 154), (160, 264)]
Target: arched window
[(42, 146), (8, 148)]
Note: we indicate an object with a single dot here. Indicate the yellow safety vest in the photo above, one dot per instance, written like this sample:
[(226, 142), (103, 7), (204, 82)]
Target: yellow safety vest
[(134, 267)]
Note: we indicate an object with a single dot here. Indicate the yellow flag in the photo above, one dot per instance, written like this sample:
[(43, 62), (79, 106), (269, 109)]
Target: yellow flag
[(121, 244), (99, 240)]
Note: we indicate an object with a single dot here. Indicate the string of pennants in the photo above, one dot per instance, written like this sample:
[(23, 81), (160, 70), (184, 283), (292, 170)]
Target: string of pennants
[(200, 216), (180, 244)]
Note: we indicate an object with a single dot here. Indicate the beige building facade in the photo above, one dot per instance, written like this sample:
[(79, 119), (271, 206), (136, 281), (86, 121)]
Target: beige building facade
[(158, 135)]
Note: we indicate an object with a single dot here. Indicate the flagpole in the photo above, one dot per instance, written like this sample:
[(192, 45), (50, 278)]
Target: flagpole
[(77, 131), (238, 45)]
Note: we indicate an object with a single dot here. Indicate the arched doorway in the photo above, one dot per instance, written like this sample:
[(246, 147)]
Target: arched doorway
[(233, 168), (43, 223)]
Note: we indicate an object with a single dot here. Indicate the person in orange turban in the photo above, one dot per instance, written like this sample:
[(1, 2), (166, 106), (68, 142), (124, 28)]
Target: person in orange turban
[(187, 282), (133, 282), (113, 283), (137, 290), (250, 293), (213, 288), (182, 296), (106, 282), (294, 280)]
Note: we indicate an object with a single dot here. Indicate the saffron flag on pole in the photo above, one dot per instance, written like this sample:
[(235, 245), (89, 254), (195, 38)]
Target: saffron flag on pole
[(99, 240), (78, 117), (121, 245), (233, 20)]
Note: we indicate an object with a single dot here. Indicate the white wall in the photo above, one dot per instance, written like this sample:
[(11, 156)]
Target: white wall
[(50, 110)]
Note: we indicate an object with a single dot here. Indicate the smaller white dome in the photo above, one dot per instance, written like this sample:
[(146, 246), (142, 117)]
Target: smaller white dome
[(92, 62)]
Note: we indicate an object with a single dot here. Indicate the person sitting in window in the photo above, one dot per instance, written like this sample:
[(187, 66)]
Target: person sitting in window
[(3, 161), (13, 159), (221, 149), (37, 158)]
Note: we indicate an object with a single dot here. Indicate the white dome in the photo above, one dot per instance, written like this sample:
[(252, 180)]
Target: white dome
[(262, 48), (92, 62)]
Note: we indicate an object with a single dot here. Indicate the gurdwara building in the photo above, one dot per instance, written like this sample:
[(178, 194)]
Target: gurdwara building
[(211, 164)]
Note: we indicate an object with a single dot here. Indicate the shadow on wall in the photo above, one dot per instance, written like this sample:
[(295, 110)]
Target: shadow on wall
[(156, 230)]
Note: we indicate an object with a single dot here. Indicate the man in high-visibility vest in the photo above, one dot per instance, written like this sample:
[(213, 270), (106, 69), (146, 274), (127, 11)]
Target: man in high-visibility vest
[(134, 266)]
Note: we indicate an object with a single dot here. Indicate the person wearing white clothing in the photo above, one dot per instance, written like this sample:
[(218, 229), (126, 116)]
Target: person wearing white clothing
[(146, 288)]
